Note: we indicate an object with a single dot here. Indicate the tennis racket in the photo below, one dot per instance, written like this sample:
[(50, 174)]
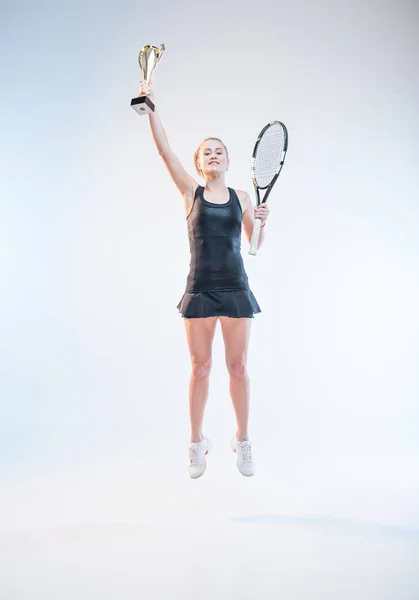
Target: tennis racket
[(267, 161)]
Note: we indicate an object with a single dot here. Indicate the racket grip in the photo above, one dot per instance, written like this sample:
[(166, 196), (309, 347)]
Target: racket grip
[(255, 237)]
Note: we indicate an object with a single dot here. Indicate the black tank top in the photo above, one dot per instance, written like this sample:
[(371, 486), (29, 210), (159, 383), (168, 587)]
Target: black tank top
[(215, 242)]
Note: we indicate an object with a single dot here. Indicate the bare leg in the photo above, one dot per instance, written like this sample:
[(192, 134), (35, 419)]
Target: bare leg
[(200, 335), (236, 334)]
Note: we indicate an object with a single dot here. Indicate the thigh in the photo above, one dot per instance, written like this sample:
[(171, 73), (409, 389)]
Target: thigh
[(200, 336), (236, 335)]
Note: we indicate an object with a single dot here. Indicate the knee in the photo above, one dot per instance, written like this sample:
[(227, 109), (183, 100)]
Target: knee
[(237, 369), (201, 368)]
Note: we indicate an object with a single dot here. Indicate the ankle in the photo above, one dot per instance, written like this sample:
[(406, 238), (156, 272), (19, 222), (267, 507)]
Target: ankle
[(242, 437)]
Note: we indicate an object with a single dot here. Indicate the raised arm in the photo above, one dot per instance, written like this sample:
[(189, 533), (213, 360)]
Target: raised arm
[(184, 182)]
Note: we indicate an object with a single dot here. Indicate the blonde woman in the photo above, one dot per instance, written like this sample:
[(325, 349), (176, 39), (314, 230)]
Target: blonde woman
[(217, 286)]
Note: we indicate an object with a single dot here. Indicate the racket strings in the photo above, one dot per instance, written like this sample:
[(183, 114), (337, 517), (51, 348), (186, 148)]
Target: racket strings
[(269, 153)]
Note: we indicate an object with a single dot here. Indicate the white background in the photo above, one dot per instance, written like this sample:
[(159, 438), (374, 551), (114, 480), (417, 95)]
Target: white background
[(94, 364)]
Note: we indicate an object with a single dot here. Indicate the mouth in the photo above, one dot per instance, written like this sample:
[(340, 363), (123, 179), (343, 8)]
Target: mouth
[(214, 162)]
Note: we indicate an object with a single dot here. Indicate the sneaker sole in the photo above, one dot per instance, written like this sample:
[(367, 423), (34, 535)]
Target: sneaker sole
[(245, 474)]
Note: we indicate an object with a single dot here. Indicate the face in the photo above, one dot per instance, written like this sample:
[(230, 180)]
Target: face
[(213, 157)]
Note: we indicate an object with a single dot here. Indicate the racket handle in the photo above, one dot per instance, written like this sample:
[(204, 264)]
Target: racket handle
[(255, 237)]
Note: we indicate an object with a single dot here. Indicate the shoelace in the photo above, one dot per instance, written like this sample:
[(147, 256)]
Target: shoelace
[(245, 451)]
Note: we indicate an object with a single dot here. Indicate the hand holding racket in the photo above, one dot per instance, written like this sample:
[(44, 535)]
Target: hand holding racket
[(267, 161)]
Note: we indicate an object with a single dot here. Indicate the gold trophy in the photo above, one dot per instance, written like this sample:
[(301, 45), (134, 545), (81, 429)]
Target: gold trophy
[(148, 59)]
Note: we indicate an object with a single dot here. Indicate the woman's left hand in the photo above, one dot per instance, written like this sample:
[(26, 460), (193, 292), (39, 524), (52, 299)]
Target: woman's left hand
[(262, 212)]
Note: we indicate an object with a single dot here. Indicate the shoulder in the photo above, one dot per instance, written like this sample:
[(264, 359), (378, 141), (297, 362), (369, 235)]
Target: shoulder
[(244, 199)]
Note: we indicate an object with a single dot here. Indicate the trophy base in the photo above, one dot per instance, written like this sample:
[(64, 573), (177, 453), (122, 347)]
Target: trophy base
[(143, 105)]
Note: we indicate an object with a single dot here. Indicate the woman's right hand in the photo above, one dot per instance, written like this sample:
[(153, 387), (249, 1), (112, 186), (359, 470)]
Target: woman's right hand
[(145, 89)]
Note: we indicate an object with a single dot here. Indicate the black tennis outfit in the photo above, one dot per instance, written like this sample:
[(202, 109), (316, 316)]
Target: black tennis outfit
[(217, 284)]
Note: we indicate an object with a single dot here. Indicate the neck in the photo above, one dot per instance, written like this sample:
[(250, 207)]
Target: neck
[(215, 184)]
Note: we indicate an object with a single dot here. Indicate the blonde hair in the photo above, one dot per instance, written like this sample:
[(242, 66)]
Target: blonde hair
[(196, 155)]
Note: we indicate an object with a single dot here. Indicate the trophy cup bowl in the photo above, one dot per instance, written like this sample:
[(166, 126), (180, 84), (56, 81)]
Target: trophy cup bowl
[(148, 59)]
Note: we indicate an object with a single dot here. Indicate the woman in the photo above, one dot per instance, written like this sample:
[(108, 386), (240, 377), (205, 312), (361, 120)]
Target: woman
[(217, 285)]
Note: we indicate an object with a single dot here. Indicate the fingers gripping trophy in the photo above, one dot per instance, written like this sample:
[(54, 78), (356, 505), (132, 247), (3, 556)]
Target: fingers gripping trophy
[(148, 59)]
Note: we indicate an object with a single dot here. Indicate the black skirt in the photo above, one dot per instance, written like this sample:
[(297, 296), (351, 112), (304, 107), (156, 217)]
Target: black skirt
[(219, 303)]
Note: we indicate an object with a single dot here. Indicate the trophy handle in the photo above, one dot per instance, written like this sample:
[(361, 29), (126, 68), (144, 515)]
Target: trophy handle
[(159, 53)]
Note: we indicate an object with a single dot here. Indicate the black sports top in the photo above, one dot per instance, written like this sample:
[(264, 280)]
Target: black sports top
[(215, 242)]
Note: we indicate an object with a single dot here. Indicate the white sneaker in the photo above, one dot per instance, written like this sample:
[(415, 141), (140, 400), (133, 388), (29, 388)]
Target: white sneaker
[(197, 460), (245, 464)]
